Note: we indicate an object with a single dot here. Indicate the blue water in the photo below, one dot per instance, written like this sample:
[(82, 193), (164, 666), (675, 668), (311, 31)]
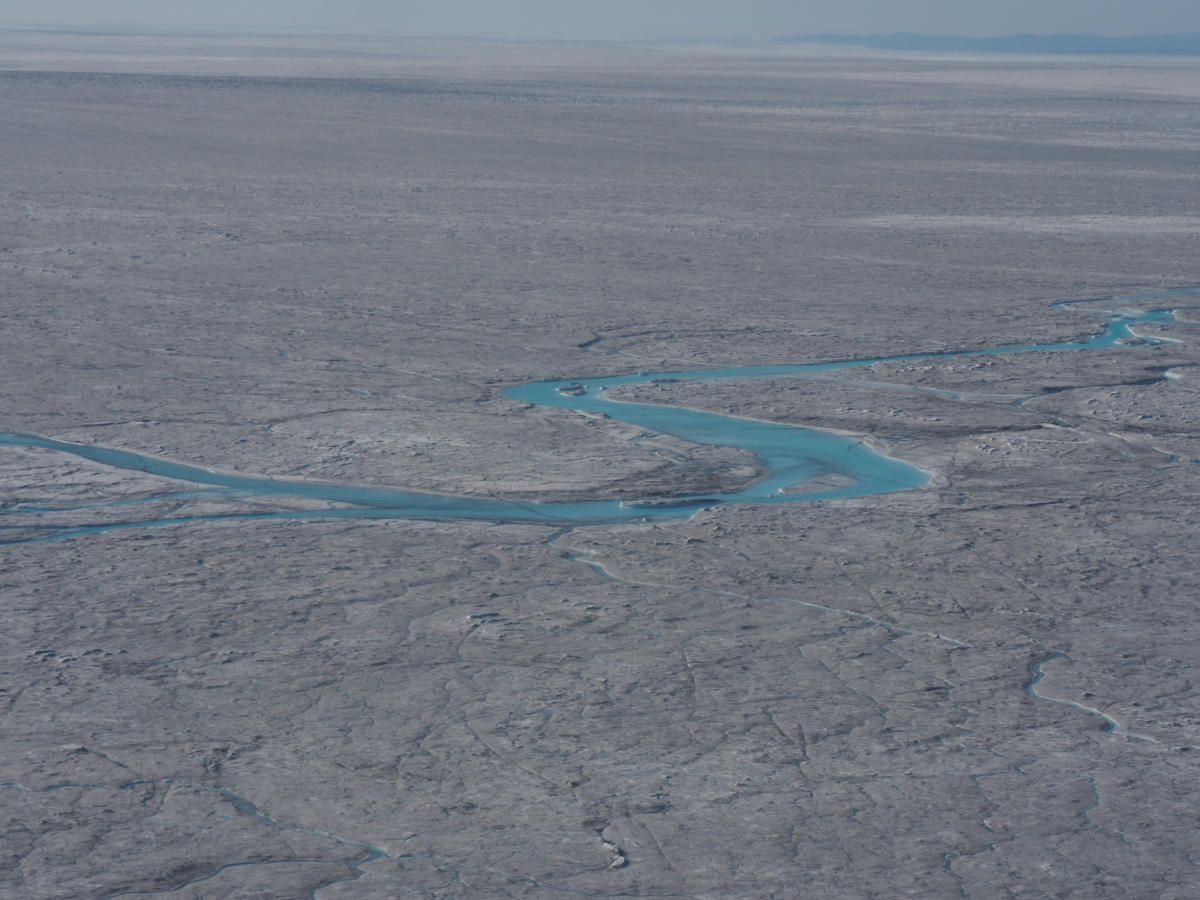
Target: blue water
[(789, 454)]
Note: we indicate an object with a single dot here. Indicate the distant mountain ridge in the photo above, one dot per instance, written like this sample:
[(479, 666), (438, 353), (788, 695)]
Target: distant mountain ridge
[(1148, 44)]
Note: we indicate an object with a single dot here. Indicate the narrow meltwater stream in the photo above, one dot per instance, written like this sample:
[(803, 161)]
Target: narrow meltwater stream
[(1111, 725), (790, 455)]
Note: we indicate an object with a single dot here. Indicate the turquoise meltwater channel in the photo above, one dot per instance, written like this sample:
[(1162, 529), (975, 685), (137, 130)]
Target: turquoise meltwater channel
[(790, 455)]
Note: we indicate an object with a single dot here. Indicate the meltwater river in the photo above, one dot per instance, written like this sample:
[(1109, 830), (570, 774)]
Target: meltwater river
[(790, 455)]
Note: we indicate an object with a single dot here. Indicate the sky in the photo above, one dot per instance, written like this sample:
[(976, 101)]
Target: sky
[(618, 19)]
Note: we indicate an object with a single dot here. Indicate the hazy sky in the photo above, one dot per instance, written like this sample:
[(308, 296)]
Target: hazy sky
[(630, 18)]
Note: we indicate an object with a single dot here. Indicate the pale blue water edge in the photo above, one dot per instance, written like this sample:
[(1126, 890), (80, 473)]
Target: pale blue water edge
[(790, 455)]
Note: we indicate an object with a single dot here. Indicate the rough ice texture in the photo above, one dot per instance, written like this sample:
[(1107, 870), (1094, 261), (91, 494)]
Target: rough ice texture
[(325, 260)]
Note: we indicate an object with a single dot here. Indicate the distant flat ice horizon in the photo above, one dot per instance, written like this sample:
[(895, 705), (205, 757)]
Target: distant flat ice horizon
[(667, 20), (1174, 44)]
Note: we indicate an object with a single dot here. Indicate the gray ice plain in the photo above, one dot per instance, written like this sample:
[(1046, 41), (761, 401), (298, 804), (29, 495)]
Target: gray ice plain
[(333, 263)]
